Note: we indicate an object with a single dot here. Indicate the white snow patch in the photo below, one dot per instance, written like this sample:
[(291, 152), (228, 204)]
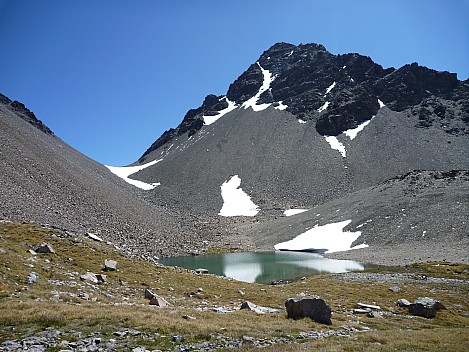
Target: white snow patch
[(281, 106), (330, 88), (353, 132), (344, 67), (301, 121), (335, 144), (291, 53), (235, 201), (351, 79), (381, 104), (208, 120), (330, 237), (252, 102), (125, 171), (290, 212), (324, 106)]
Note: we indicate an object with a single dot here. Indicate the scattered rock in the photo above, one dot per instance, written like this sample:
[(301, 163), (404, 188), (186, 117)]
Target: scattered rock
[(374, 314), (85, 296), (32, 277), (201, 271), (425, 307), (30, 251), (402, 302), (44, 248), (258, 309), (188, 317), (241, 292), (178, 338), (101, 278), (369, 306), (314, 308), (110, 265), (148, 294), (158, 301), (90, 277), (93, 237), (361, 311), (394, 289)]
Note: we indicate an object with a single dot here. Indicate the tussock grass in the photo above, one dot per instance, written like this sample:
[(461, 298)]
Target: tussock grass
[(119, 303)]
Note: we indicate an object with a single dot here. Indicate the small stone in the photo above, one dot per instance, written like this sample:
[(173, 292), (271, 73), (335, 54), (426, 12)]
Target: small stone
[(370, 306), (402, 302), (188, 317), (148, 294), (361, 311), (258, 309), (158, 301), (110, 265), (89, 277), (30, 251), (120, 333), (201, 271), (394, 289), (44, 248), (32, 277), (85, 296), (93, 237), (178, 338), (374, 314), (101, 278)]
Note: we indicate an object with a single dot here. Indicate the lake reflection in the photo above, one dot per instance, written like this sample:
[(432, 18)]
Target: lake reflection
[(264, 267)]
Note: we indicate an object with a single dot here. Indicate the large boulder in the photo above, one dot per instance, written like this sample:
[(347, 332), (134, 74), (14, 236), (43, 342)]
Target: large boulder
[(425, 307), (314, 308)]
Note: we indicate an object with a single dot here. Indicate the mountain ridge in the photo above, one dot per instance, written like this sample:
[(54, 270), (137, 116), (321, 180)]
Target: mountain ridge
[(303, 73)]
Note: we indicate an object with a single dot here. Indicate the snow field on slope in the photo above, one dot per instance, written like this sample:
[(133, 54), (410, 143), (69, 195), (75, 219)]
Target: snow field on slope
[(235, 201), (125, 171), (330, 237), (208, 120)]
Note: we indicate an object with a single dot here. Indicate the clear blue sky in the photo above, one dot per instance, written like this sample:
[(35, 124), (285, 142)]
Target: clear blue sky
[(109, 77)]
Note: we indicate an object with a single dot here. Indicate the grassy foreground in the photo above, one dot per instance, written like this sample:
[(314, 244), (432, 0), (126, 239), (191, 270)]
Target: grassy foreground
[(61, 300)]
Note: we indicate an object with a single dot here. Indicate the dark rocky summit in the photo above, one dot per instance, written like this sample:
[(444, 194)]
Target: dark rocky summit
[(22, 111), (302, 75)]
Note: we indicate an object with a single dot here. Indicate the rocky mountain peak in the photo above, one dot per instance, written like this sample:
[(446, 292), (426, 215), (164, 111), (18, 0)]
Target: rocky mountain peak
[(335, 92)]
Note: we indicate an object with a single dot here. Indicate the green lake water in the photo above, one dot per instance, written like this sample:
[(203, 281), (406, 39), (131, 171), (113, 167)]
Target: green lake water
[(264, 267)]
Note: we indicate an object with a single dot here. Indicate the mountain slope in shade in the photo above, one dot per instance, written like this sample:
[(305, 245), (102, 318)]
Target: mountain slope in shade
[(45, 180)]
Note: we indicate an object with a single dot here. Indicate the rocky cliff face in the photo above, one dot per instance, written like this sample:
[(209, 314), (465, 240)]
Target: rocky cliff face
[(22, 111), (338, 92)]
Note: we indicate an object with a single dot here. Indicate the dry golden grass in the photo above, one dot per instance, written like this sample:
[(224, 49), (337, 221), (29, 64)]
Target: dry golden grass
[(119, 303)]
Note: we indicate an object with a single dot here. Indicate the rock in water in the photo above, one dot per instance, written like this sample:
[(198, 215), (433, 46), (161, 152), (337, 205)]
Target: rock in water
[(314, 308)]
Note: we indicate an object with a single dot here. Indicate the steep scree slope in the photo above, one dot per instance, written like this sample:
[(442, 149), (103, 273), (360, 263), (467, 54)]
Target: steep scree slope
[(306, 127)]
